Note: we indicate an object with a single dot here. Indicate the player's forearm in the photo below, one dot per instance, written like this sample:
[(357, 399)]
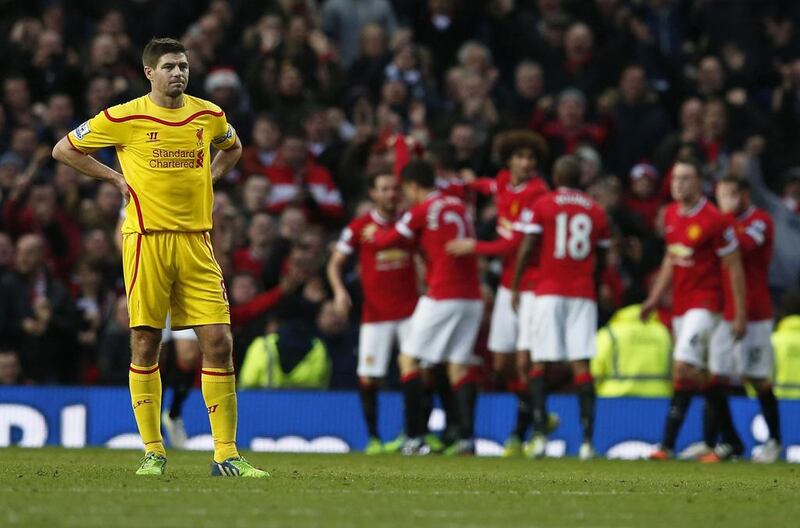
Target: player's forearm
[(523, 255), (334, 270), (85, 164), (500, 247), (662, 281), (225, 160)]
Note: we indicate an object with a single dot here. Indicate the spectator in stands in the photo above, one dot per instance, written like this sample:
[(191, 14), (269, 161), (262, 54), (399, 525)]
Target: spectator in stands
[(114, 353), (261, 154), (296, 178), (342, 21), (634, 358), (10, 368), (36, 314), (260, 236), (529, 88)]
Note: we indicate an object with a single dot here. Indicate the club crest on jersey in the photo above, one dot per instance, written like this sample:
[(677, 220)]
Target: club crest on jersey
[(83, 130), (368, 233), (199, 135), (693, 232), (514, 208)]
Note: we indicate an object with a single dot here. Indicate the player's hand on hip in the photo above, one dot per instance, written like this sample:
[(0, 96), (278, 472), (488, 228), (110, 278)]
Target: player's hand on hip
[(122, 186), (739, 327), (460, 247)]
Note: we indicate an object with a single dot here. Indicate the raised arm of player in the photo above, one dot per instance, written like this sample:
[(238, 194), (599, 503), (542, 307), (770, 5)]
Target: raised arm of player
[(84, 163), (341, 299), (523, 256), (733, 263), (660, 285), (225, 160)]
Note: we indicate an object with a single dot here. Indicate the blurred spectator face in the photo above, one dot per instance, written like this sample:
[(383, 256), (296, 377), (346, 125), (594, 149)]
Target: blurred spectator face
[(529, 80), (729, 198), (404, 58), (266, 134), (308, 251), (6, 251), (98, 94), (25, 32), (104, 51), (386, 193), (261, 230), (243, 288), (16, 94), (24, 142), (570, 111), (10, 368), (578, 42), (290, 82), (108, 199), (474, 57), (643, 181), (297, 32), (42, 201), (329, 321), (373, 41), (710, 76), (521, 164), (315, 126), (89, 276), (591, 165), (791, 192), (607, 193), (221, 10), (394, 92), (685, 183), (453, 79), (462, 138), (294, 152), (691, 113), (440, 7), (715, 119), (292, 222), (472, 86), (255, 192), (65, 178), (59, 111), (30, 254), (96, 245), (112, 23), (49, 44), (10, 166), (632, 84)]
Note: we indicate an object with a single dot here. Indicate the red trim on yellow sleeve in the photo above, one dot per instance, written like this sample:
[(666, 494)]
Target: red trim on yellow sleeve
[(161, 121)]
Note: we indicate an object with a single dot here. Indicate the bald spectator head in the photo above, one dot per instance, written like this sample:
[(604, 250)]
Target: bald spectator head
[(30, 254)]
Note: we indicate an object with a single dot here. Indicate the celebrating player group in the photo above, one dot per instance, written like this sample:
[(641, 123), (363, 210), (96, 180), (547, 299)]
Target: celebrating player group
[(551, 243)]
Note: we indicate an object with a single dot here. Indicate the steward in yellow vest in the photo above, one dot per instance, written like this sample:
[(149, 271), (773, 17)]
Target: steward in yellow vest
[(634, 358), (786, 347)]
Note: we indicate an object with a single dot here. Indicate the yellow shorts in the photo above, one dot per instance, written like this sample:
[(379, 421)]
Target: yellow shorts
[(176, 273)]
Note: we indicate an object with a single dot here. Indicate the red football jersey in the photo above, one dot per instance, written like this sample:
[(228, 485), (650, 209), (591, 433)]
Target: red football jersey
[(571, 226), (388, 275), (433, 223), (511, 201), (755, 233), (695, 242)]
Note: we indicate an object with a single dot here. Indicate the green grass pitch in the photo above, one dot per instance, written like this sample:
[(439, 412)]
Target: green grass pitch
[(97, 488)]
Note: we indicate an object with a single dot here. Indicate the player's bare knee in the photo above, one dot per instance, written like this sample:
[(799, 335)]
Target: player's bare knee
[(407, 364), (145, 345), (456, 371)]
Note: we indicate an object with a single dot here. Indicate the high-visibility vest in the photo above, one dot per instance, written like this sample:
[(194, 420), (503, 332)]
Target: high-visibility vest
[(634, 358), (262, 367), (786, 347)]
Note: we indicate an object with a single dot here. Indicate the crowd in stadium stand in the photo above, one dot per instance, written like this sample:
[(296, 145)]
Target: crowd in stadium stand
[(322, 92)]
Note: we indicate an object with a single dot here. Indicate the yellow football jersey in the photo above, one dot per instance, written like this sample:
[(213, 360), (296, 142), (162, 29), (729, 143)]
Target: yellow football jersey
[(165, 157)]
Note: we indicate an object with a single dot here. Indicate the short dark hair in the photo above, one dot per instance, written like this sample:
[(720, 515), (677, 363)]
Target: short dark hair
[(420, 172), (508, 143), (692, 162), (567, 172), (372, 177), (157, 47), (741, 183)]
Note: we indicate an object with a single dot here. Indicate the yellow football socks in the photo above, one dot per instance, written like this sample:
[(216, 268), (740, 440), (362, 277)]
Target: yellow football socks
[(145, 384), (219, 393)]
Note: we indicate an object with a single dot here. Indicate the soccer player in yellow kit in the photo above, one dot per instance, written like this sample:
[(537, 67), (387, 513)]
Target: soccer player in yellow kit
[(163, 142)]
